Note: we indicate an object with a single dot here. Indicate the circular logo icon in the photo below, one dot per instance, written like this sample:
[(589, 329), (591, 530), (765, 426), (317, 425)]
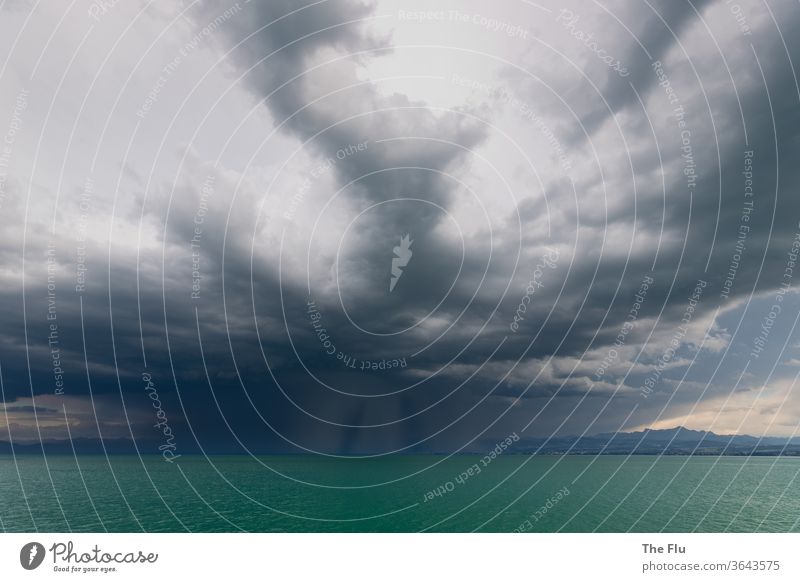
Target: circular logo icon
[(31, 555)]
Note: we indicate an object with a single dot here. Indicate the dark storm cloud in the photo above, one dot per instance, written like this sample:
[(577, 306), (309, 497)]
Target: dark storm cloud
[(260, 374), (700, 223), (656, 26), (301, 60), (707, 215)]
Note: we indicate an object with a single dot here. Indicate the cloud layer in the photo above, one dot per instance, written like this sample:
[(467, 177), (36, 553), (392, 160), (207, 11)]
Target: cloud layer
[(216, 201)]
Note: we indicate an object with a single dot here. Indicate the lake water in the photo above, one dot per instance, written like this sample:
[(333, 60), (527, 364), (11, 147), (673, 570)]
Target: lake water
[(400, 494)]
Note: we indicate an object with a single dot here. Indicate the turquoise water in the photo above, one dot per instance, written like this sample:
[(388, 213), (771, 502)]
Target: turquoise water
[(302, 493)]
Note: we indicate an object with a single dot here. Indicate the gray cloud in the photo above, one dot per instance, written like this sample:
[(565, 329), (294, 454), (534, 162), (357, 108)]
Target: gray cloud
[(268, 243)]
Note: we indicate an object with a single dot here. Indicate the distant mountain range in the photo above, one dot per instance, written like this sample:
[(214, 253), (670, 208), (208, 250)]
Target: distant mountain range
[(672, 441)]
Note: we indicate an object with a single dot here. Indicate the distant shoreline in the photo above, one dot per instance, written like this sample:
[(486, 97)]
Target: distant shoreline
[(388, 455)]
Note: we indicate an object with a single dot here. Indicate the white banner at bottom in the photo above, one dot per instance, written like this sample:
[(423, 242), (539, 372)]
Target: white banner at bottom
[(400, 557)]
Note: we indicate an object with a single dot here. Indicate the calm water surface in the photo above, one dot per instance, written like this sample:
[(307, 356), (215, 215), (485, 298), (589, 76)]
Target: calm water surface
[(304, 493)]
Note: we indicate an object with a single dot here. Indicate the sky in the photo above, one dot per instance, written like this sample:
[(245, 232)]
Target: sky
[(355, 227)]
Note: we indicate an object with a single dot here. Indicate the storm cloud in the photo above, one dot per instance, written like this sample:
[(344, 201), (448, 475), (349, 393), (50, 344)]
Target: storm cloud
[(362, 227)]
